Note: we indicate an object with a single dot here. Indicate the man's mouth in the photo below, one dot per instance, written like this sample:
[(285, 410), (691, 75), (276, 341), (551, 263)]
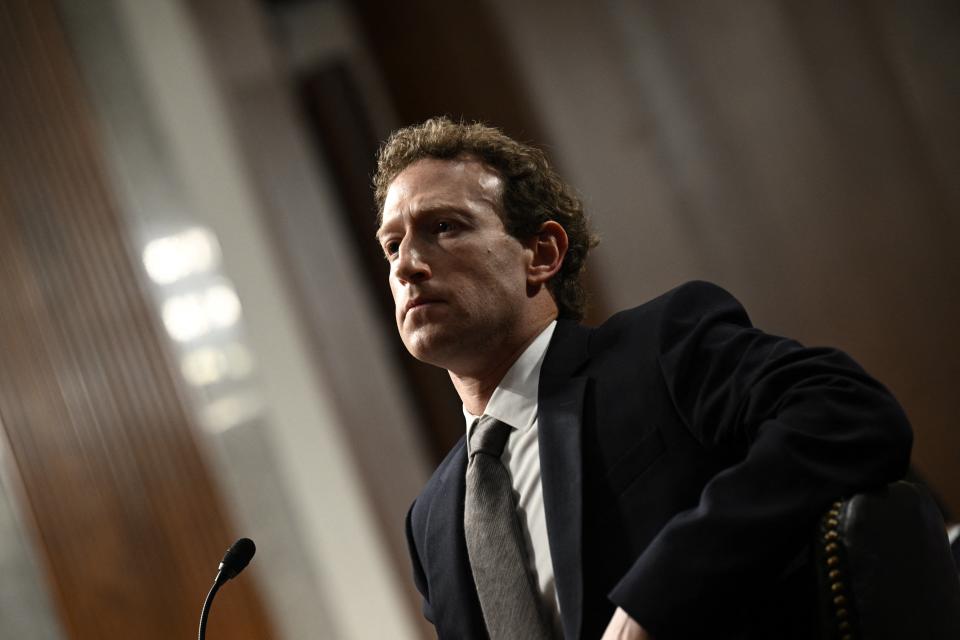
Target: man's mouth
[(420, 301)]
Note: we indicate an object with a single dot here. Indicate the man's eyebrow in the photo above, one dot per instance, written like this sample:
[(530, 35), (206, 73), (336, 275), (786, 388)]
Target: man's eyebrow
[(438, 208), (381, 230), (441, 208)]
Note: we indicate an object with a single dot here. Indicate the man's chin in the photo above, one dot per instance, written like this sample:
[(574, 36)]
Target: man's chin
[(429, 344)]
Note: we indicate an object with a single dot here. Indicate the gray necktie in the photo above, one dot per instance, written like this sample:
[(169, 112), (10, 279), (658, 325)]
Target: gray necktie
[(495, 545)]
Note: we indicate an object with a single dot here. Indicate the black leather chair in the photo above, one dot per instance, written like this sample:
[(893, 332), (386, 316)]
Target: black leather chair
[(885, 569)]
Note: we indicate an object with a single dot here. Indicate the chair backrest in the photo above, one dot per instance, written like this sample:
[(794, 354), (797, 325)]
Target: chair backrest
[(885, 569)]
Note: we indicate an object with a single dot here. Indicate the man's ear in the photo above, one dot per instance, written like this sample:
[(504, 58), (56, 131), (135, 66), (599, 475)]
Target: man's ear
[(548, 247)]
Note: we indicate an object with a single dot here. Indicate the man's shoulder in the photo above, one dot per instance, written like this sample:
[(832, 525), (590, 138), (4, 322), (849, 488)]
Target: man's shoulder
[(642, 332), (693, 296), (687, 303)]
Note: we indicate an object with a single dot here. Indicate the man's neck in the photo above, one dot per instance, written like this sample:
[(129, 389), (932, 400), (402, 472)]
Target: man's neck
[(476, 387)]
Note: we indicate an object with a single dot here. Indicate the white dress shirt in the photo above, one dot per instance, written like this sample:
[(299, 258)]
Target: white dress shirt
[(514, 402)]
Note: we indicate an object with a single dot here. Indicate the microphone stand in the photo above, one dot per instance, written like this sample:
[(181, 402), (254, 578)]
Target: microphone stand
[(205, 612)]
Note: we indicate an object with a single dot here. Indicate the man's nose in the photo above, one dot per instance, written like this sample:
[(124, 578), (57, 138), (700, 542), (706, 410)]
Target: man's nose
[(411, 264)]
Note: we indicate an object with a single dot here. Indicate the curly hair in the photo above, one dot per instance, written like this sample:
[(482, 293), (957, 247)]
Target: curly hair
[(533, 193)]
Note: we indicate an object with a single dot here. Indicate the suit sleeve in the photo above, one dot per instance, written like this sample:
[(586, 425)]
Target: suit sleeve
[(814, 427), (419, 578)]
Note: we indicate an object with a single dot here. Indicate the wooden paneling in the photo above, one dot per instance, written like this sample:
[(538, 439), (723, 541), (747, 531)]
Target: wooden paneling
[(124, 510)]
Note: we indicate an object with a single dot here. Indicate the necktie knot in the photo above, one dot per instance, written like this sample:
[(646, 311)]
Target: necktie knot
[(489, 436)]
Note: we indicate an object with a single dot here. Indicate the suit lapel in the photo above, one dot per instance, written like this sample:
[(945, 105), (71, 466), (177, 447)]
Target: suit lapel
[(449, 575), (560, 406)]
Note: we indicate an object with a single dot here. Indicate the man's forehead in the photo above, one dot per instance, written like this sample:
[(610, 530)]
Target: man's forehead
[(435, 182)]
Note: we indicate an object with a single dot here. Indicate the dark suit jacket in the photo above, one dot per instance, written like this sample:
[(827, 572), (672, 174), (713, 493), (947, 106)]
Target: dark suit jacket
[(685, 457)]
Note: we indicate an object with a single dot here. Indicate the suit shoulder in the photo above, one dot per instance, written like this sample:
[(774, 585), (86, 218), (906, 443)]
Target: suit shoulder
[(689, 300)]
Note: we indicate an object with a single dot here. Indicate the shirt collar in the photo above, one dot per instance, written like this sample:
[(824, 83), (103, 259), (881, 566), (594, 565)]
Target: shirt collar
[(514, 401)]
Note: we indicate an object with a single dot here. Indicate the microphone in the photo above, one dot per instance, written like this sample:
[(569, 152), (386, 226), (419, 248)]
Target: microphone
[(236, 558), (234, 561)]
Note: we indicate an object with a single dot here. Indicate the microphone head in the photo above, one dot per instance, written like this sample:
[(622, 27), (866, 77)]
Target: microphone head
[(237, 557)]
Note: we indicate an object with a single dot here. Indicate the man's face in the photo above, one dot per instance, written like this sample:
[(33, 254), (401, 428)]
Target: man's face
[(458, 278)]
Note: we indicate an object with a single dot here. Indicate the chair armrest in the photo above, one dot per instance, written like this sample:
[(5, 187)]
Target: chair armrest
[(885, 569)]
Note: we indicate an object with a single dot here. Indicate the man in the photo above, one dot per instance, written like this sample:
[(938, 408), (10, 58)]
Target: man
[(664, 470)]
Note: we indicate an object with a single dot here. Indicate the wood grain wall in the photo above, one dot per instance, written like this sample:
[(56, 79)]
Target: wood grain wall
[(124, 511)]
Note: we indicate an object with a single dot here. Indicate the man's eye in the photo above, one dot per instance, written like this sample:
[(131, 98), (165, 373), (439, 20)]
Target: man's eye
[(391, 248), (444, 225)]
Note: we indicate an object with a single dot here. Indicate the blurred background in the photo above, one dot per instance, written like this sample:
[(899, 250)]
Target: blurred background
[(196, 337)]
